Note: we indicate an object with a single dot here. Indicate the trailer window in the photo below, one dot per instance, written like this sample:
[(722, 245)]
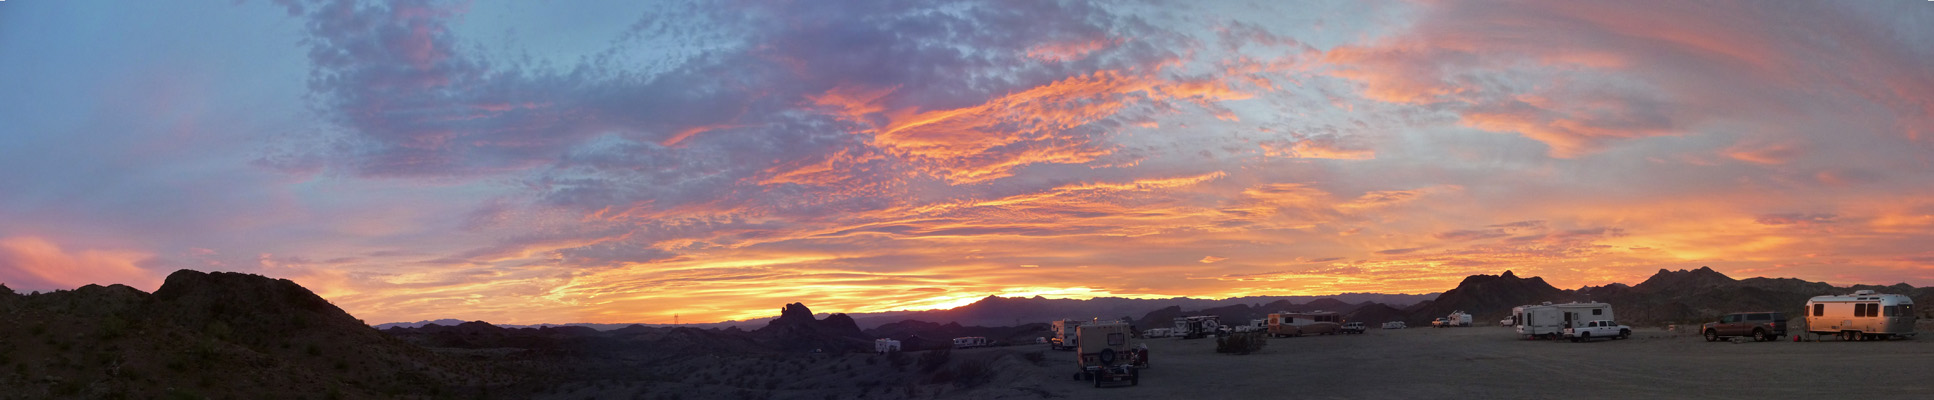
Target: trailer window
[(1819, 309), (1598, 311), (1891, 311)]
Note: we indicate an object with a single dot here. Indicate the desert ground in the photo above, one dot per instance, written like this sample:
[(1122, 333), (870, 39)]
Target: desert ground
[(1492, 363)]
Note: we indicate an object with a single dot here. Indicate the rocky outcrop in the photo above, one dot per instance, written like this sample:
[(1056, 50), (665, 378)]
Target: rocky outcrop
[(796, 330)]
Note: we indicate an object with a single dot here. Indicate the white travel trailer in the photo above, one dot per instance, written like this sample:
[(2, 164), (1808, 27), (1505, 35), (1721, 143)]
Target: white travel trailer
[(1550, 320), (1863, 315), (1196, 326), (886, 345), (971, 342), (1156, 333)]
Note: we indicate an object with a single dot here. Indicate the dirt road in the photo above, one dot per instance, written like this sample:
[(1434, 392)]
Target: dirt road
[(1492, 363)]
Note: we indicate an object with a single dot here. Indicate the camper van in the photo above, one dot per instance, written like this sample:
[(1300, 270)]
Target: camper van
[(1863, 315), (1310, 323), (886, 345), (1196, 326), (1063, 338), (1548, 321), (970, 342)]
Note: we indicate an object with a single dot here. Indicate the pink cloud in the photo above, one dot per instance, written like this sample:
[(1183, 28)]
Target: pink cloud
[(34, 263), (1579, 76)]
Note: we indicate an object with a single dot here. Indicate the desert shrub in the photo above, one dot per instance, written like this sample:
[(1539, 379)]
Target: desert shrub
[(898, 359), (933, 359), (1240, 343), (113, 327), (973, 372), (1034, 357)]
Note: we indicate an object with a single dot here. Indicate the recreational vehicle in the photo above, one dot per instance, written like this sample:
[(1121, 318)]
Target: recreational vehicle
[(970, 342), (1196, 326), (1548, 320), (1311, 323), (1863, 315), (1063, 338), (886, 345), (1104, 355)]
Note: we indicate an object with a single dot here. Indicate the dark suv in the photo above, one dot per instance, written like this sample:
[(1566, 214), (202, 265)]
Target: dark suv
[(1761, 326)]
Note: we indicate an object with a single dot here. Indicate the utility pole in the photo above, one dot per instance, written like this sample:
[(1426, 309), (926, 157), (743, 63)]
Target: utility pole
[(674, 319)]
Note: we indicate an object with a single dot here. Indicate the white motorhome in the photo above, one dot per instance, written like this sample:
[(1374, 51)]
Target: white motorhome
[(886, 345), (1459, 318), (1309, 323), (1863, 315), (1156, 333), (1063, 338), (970, 342), (1550, 320)]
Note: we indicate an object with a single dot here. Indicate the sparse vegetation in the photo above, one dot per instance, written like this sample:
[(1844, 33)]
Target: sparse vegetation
[(934, 359)]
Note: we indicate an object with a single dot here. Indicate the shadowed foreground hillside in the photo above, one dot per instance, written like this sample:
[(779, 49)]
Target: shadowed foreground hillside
[(217, 335)]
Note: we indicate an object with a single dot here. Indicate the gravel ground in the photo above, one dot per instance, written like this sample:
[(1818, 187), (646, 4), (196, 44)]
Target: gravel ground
[(1492, 363)]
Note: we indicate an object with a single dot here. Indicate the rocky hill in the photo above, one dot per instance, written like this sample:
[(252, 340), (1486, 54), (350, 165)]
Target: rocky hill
[(208, 335), (1486, 298)]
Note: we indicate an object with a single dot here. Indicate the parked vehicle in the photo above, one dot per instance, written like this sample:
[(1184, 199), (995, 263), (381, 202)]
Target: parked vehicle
[(1548, 321), (1353, 327), (1393, 325), (1104, 354), (885, 345), (1761, 326), (1863, 315), (1458, 318), (1153, 333), (1310, 323), (1598, 329), (1197, 326), (970, 342), (1063, 338), (1439, 322)]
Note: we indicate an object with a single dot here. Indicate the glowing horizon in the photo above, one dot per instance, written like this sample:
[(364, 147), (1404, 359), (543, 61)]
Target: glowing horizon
[(613, 161)]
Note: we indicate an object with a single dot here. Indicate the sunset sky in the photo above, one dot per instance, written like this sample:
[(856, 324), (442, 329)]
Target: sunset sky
[(626, 161)]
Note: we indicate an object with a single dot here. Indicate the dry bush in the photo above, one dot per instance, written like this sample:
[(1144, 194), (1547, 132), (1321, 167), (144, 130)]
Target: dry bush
[(1240, 343)]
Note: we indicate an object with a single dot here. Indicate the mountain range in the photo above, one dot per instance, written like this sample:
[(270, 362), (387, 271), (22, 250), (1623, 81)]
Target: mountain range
[(230, 335)]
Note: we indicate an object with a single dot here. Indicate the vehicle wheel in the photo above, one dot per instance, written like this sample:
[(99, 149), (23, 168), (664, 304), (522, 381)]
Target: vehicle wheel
[(1107, 357), (1760, 336), (1625, 334), (1712, 335)]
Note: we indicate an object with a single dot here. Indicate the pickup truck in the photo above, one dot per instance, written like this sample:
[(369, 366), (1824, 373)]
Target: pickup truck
[(1761, 326), (1598, 329)]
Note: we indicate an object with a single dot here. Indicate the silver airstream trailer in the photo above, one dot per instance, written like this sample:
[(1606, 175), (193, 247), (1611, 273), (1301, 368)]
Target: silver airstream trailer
[(1863, 315)]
